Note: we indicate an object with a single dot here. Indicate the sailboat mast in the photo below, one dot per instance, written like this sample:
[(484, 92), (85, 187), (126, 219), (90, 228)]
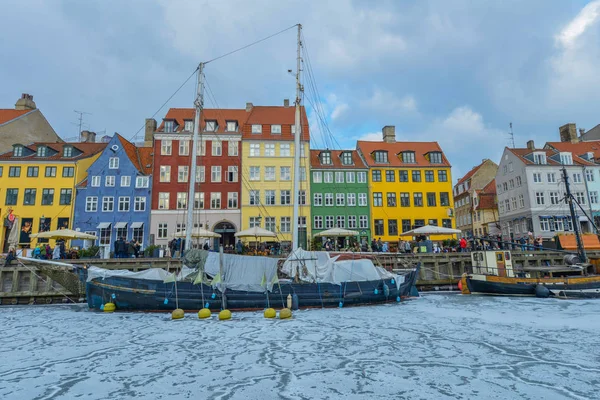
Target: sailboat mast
[(297, 148), (199, 103), (580, 249)]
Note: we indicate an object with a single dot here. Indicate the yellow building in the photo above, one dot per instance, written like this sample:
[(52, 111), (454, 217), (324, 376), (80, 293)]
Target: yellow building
[(409, 186), (268, 171), (37, 186)]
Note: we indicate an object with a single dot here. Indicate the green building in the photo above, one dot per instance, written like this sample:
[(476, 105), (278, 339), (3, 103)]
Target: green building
[(340, 192)]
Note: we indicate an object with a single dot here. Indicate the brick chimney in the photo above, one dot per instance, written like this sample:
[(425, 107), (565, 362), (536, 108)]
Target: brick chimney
[(568, 133), (88, 137), (389, 134), (286, 103), (530, 145), (150, 129), (249, 107), (25, 102)]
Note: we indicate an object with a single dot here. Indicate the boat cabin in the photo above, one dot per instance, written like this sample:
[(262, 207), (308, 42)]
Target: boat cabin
[(498, 263)]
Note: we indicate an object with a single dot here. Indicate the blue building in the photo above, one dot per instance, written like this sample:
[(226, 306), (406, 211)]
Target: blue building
[(114, 200)]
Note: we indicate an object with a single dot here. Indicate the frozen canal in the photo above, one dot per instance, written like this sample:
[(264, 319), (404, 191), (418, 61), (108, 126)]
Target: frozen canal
[(438, 347)]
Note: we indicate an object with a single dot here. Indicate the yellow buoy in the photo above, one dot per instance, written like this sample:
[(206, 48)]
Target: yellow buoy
[(224, 315), (285, 313), (177, 313), (109, 307), (204, 313), (270, 313)]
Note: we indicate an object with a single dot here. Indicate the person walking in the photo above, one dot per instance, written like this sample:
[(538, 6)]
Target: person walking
[(463, 245)]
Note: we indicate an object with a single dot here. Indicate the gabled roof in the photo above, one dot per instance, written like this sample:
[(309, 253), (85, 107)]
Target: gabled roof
[(275, 115), (141, 157), (522, 153), (7, 115), (421, 149), (86, 149), (221, 115), (470, 173), (487, 196), (578, 149), (336, 160)]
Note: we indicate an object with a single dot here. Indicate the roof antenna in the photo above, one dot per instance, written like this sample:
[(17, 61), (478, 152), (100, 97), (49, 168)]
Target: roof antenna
[(511, 135)]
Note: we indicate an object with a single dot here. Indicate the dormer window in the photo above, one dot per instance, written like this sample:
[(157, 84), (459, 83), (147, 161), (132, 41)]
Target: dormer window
[(188, 125), (18, 151), (590, 156), (169, 125), (539, 158), (380, 156), (42, 151), (566, 158), (232, 126), (211, 126), (276, 129), (347, 158), (325, 157), (435, 157), (294, 129), (68, 151), (408, 157), (256, 128)]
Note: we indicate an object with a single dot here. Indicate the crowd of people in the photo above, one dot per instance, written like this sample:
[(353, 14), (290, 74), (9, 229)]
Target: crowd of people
[(126, 249)]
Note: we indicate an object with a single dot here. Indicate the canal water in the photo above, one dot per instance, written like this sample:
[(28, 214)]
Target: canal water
[(441, 346)]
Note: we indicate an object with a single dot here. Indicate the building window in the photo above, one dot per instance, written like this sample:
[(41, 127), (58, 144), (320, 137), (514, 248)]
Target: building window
[(303, 174), (198, 200), (108, 204), (254, 149), (340, 221), (393, 227), (580, 197), (350, 177), (217, 150), (406, 225), (184, 147), (18, 151), (201, 149), (188, 126), (381, 156), (391, 199), (256, 128), (285, 174), (328, 177), (285, 197), (139, 203), (91, 204), (254, 197), (404, 199), (377, 199), (215, 173), (11, 197), (539, 198), (232, 200), (442, 176), (302, 197), (182, 173), (50, 172), (113, 163), (41, 151), (363, 222), (518, 179), (390, 175), (339, 199), (351, 199), (270, 197), (376, 175), (163, 200), (416, 176), (325, 158), (276, 129), (29, 198), (181, 200), (232, 148), (255, 173), (270, 224), (318, 222), (362, 199), (431, 200), (47, 197), (166, 147), (328, 221), (432, 222), (211, 126), (142, 182), (169, 126), (33, 172), (408, 157), (65, 197), (255, 222), (215, 200), (544, 224), (269, 149), (566, 158), (317, 177), (285, 224), (109, 181), (522, 201), (232, 173), (594, 197), (419, 223), (361, 177), (429, 176), (403, 175), (162, 230), (284, 150), (418, 199), (200, 174), (105, 234), (232, 126), (378, 227), (435, 157), (165, 173), (552, 178), (539, 158), (339, 177), (329, 199), (317, 199), (124, 202), (537, 177)]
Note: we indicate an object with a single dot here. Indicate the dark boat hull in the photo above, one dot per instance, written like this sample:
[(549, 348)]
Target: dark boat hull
[(149, 295)]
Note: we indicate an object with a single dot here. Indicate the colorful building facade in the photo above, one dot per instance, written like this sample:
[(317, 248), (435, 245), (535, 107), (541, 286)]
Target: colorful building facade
[(268, 167), (409, 185), (37, 184), (113, 201), (340, 192), (218, 178)]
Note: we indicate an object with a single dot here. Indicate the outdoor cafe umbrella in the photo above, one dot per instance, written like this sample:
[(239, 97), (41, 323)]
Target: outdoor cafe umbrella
[(428, 230), (255, 232), (199, 233), (65, 234), (337, 232)]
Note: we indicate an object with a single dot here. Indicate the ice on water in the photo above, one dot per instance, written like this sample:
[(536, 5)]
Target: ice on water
[(437, 347)]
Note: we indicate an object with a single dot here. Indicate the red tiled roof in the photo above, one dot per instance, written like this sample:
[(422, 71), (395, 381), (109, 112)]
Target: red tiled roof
[(275, 115), (521, 153), (10, 114), (87, 150), (336, 159), (141, 157), (146, 158), (578, 149), (470, 173), (221, 115), (487, 196), (490, 188), (420, 149)]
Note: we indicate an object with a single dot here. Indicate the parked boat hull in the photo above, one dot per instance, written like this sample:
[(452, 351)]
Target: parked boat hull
[(571, 287)]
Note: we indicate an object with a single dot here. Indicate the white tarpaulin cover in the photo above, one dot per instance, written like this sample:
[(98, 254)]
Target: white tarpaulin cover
[(248, 273), (156, 274), (318, 266)]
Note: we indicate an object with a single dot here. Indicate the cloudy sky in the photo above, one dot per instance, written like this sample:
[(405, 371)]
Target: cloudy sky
[(456, 71)]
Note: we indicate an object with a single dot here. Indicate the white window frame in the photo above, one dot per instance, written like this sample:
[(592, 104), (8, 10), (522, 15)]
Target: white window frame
[(113, 163), (139, 204), (91, 204), (184, 147), (125, 181), (215, 174), (232, 148), (96, 180), (110, 181), (108, 201), (166, 147), (217, 148), (269, 149)]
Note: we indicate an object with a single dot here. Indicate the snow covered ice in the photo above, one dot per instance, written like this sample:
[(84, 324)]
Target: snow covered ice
[(441, 346)]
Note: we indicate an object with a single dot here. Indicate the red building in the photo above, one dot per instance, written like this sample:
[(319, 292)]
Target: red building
[(218, 179)]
